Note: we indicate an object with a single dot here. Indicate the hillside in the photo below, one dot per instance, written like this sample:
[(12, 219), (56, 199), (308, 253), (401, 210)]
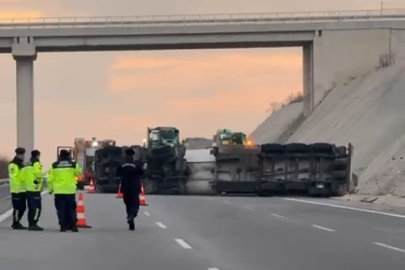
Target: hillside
[(272, 129), (368, 112)]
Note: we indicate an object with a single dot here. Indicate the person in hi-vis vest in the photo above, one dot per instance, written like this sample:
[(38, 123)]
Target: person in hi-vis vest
[(33, 176)]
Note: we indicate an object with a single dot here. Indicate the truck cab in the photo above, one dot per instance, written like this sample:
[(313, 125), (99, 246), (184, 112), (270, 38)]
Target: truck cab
[(161, 136)]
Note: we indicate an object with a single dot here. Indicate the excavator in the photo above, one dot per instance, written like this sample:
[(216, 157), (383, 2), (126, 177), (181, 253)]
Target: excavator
[(236, 163), (166, 167)]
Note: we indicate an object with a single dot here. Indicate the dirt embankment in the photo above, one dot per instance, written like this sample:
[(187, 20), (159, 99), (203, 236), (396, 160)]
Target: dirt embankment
[(367, 111)]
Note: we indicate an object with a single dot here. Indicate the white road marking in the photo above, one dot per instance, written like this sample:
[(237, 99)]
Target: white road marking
[(227, 202), (389, 247), (147, 214), (183, 244), (213, 268), (278, 216), (161, 225), (8, 214), (248, 208), (323, 228), (347, 208)]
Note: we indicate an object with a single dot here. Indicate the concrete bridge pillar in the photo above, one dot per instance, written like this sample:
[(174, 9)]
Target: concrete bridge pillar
[(24, 53), (308, 78)]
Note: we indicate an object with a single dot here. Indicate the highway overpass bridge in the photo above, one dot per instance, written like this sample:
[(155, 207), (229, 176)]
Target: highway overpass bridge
[(337, 46)]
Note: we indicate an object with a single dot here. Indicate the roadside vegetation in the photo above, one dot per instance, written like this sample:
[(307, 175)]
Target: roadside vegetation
[(292, 98)]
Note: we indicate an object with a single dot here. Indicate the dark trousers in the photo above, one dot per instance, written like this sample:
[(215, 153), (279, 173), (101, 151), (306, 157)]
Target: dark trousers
[(131, 201), (19, 201), (34, 202), (65, 205)]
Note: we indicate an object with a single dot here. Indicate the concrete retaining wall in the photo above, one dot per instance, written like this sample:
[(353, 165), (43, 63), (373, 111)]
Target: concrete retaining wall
[(366, 70)]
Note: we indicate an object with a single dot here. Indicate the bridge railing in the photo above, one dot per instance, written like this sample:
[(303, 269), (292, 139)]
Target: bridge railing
[(201, 19)]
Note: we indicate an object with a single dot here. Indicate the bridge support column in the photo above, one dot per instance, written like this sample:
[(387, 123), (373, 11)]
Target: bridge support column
[(24, 53), (308, 78)]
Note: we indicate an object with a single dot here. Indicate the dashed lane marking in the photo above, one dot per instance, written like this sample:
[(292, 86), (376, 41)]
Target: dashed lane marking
[(147, 214), (248, 208), (323, 228), (161, 225), (278, 216), (183, 244), (227, 202), (389, 247)]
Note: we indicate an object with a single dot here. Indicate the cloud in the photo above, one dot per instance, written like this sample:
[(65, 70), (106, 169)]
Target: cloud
[(199, 92), (211, 70)]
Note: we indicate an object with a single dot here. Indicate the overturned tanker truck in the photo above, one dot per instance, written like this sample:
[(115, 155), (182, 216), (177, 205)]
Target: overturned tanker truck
[(106, 161), (166, 170), (236, 163), (321, 169)]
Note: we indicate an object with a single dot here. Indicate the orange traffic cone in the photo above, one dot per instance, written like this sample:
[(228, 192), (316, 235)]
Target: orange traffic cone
[(119, 195), (142, 199), (91, 187), (81, 219)]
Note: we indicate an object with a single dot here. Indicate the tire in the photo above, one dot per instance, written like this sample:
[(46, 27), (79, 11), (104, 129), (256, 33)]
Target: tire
[(340, 190), (342, 150), (340, 164), (339, 175), (297, 148), (269, 148), (326, 148)]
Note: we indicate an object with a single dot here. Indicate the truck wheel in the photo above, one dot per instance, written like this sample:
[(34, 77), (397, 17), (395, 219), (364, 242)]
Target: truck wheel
[(269, 148), (297, 148), (326, 148)]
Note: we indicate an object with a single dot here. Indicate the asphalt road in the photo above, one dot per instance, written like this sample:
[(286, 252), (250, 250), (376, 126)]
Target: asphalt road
[(211, 233)]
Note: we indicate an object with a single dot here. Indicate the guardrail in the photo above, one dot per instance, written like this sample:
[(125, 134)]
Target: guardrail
[(3, 181), (198, 19)]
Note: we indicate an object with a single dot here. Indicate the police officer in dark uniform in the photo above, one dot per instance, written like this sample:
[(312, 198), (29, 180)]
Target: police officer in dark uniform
[(17, 188), (62, 182), (130, 172)]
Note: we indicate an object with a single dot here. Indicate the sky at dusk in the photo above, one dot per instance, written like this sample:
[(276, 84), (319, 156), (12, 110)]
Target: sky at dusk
[(117, 95)]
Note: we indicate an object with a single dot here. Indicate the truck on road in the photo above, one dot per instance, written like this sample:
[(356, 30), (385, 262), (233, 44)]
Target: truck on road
[(166, 170), (236, 163), (83, 152)]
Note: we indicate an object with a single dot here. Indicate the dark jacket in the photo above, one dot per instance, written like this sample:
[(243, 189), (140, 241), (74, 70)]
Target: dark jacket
[(131, 173)]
